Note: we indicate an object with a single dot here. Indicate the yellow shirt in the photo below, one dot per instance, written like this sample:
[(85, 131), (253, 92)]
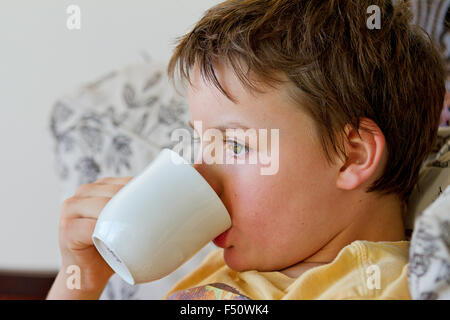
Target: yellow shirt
[(361, 270)]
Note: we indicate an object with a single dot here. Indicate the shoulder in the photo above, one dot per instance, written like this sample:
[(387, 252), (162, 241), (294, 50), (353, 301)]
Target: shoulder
[(382, 268), (361, 270), (382, 251)]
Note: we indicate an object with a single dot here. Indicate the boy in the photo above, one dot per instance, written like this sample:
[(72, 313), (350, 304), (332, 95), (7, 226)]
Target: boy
[(357, 111)]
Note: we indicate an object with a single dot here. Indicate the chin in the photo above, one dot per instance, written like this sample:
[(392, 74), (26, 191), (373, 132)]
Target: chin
[(235, 261), (238, 261)]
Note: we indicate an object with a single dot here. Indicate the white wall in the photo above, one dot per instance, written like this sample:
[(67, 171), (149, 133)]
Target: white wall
[(40, 59)]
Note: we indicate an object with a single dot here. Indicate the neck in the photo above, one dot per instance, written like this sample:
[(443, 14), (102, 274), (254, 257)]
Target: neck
[(375, 219)]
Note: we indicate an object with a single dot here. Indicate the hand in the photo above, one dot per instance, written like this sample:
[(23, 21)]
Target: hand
[(77, 222)]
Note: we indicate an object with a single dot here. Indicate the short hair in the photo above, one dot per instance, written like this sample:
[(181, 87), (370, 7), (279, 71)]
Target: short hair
[(340, 70)]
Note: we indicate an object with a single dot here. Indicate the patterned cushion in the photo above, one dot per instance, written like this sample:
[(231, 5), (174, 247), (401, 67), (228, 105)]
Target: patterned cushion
[(429, 255), (434, 177)]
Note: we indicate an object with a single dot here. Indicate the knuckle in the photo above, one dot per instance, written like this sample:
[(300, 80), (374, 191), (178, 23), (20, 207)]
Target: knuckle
[(64, 224), (83, 188), (68, 205)]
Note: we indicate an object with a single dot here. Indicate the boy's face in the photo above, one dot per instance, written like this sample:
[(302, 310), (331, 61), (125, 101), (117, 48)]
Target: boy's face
[(281, 219)]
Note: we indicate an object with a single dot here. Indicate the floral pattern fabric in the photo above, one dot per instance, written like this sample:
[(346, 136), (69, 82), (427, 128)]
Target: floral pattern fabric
[(213, 291)]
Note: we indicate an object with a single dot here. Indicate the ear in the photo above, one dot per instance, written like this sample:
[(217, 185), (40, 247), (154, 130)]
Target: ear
[(363, 155)]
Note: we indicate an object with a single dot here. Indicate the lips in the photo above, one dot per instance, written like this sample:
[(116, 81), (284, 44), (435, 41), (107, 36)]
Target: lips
[(221, 239)]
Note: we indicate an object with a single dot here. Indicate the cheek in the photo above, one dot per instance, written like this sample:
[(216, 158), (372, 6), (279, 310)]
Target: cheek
[(261, 210), (271, 207), (269, 211), (305, 176)]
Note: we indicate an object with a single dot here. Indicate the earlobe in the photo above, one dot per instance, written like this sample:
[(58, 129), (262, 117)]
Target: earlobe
[(363, 155)]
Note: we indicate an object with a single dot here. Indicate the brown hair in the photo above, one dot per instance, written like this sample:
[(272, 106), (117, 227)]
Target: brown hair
[(342, 70)]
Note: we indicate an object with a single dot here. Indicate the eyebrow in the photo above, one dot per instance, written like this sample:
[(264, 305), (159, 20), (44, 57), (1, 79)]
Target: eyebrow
[(228, 125)]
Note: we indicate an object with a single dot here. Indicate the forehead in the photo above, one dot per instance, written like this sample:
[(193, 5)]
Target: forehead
[(227, 78), (207, 102)]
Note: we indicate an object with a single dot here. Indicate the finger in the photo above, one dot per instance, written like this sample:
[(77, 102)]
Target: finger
[(114, 180), (78, 233), (75, 207), (98, 190)]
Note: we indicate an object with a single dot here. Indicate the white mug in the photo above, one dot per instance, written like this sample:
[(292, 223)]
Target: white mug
[(159, 220)]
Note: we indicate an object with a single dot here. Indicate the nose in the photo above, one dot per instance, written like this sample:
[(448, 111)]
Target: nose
[(213, 178)]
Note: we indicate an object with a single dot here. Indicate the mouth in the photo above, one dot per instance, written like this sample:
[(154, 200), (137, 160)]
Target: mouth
[(221, 239)]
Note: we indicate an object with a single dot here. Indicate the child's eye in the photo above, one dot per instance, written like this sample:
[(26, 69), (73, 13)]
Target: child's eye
[(233, 145), (236, 147)]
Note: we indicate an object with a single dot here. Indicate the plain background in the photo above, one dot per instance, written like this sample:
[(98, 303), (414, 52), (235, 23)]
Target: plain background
[(40, 60)]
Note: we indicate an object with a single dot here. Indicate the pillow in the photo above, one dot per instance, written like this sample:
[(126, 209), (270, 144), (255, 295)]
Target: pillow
[(429, 217), (429, 253), (434, 177)]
